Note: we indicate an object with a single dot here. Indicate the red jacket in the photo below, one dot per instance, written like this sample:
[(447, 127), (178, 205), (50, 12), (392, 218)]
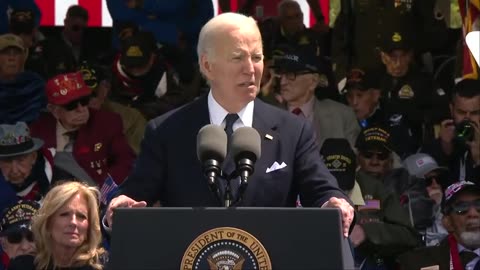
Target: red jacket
[(100, 146)]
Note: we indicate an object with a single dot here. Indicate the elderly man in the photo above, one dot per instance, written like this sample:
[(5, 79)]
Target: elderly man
[(26, 168), (300, 73), (460, 249), (88, 144), (22, 96), (383, 230), (231, 58), (16, 238)]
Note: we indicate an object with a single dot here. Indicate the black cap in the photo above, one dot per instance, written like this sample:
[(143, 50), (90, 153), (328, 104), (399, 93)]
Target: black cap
[(340, 160), (136, 50), (22, 21), (375, 138), (293, 59), (92, 75), (18, 216), (363, 80), (397, 39)]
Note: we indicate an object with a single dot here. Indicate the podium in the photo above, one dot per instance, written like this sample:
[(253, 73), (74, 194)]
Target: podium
[(228, 238)]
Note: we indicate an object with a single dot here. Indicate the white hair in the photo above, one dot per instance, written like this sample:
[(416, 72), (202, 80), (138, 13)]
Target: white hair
[(217, 26)]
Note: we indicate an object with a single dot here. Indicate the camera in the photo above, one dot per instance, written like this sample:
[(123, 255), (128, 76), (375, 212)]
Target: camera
[(465, 130)]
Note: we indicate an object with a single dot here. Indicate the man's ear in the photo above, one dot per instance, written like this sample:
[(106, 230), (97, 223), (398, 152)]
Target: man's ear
[(447, 223), (315, 79), (53, 110), (206, 66), (384, 58), (376, 94)]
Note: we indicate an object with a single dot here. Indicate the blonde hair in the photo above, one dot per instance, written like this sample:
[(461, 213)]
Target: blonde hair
[(89, 252), (216, 27)]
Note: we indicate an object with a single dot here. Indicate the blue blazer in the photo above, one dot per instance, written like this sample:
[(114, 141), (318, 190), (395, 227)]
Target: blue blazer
[(167, 168)]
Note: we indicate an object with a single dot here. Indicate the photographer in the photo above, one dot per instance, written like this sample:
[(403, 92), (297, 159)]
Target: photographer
[(458, 143)]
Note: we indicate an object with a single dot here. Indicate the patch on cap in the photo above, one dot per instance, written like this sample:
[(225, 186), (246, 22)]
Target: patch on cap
[(134, 51), (396, 37)]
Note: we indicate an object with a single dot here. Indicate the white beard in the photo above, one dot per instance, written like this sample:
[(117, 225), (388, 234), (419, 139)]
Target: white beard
[(470, 239)]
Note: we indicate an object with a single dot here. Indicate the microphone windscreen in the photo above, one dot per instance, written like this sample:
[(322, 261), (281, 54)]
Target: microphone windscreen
[(211, 143), (246, 143)]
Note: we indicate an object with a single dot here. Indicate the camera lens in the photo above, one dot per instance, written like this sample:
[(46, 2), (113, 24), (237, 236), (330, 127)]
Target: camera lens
[(465, 130)]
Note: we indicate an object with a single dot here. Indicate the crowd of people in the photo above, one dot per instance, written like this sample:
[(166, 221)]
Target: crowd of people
[(361, 113)]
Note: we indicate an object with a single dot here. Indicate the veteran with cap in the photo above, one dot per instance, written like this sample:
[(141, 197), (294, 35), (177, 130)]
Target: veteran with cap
[(383, 230), (461, 248), (16, 238), (300, 72), (22, 95), (25, 167), (89, 145), (406, 90)]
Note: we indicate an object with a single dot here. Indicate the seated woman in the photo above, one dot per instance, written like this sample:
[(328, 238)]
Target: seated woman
[(66, 230)]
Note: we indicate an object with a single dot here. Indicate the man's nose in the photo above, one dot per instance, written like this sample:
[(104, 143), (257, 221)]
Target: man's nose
[(25, 245), (248, 68)]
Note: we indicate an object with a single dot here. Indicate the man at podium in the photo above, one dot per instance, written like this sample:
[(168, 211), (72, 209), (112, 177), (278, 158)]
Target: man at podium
[(168, 170)]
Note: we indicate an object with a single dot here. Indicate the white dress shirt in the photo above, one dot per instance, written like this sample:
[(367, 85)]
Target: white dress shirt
[(217, 114)]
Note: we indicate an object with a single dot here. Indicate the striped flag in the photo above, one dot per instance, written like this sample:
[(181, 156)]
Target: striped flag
[(108, 190), (53, 11)]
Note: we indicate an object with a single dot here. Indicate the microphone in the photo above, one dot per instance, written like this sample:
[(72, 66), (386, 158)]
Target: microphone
[(246, 149), (211, 151)]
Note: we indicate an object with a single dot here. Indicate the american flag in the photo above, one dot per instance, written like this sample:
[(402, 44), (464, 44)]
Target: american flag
[(53, 11), (108, 190)]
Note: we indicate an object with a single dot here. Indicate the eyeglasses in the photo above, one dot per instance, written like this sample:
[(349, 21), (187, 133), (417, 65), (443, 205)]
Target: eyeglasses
[(461, 208), (291, 76), (429, 180), (74, 104), (76, 28), (379, 155), (16, 237)]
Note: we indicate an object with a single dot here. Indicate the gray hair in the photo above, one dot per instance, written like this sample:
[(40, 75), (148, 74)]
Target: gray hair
[(218, 25)]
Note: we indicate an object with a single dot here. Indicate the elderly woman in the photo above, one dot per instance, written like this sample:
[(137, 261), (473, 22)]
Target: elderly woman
[(67, 230)]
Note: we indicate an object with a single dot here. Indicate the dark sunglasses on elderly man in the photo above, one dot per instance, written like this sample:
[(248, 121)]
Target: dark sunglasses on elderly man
[(379, 155), (74, 104), (429, 180), (461, 208), (16, 237)]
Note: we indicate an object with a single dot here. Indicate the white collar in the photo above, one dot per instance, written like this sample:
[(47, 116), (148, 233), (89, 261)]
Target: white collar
[(462, 248), (218, 113)]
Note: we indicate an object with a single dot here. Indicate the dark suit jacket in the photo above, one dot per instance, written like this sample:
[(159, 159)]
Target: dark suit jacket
[(100, 147), (427, 256), (168, 170)]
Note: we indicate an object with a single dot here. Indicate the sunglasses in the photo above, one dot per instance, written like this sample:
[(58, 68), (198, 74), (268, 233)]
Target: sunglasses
[(291, 76), (379, 155), (17, 236), (461, 208), (74, 104), (429, 180), (76, 28)]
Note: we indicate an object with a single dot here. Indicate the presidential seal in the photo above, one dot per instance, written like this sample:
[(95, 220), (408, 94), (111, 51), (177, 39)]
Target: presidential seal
[(226, 248)]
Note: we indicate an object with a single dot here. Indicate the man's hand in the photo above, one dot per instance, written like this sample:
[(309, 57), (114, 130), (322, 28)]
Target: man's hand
[(358, 236), (474, 145), (446, 135), (347, 212), (121, 201)]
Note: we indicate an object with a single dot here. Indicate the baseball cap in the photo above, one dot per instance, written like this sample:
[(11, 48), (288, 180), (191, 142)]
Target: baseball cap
[(18, 216), (361, 79), (420, 164), (453, 191), (22, 21), (65, 88), (396, 40), (290, 59), (11, 40), (340, 160), (375, 137), (137, 49)]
